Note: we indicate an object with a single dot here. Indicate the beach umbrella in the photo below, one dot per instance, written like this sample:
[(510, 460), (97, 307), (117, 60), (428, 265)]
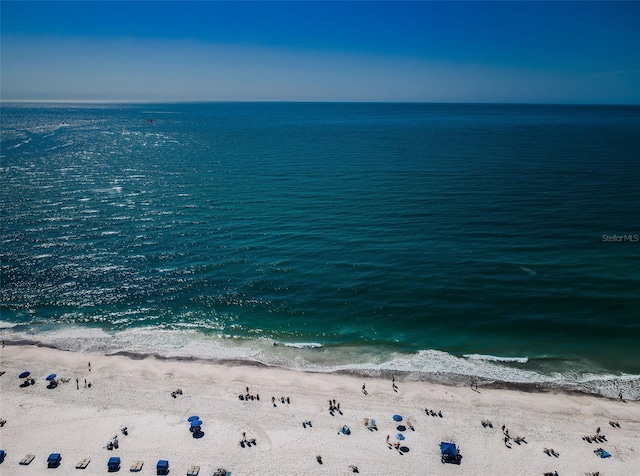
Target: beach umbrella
[(397, 418), (400, 436), (195, 423), (24, 374), (51, 377), (193, 418)]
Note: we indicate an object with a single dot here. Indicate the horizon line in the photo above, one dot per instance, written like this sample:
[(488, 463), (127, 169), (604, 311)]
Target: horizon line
[(266, 101)]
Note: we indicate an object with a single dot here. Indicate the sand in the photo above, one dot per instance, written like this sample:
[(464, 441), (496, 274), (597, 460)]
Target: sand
[(137, 393)]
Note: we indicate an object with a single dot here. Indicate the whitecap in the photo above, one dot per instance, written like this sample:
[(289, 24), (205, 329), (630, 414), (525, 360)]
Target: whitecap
[(495, 358), (303, 345)]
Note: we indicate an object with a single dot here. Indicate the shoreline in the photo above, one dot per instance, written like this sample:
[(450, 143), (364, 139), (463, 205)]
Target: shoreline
[(78, 422), (449, 379)]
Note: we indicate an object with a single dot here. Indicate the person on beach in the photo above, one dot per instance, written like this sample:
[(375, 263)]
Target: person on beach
[(364, 389), (77, 384), (89, 366)]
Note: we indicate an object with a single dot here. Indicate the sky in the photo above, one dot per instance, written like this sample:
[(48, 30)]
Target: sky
[(419, 51)]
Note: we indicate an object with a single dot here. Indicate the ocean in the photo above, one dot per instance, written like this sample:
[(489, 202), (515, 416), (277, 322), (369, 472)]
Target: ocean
[(458, 243)]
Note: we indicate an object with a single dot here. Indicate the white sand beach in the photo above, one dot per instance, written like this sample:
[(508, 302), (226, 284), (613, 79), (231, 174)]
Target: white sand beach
[(79, 422)]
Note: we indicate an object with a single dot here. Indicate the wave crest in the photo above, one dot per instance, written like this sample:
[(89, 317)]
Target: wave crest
[(494, 358)]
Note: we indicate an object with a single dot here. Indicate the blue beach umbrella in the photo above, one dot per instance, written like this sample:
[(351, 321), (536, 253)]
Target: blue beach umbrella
[(397, 418), (400, 436), (195, 423), (24, 374), (51, 377), (193, 418)]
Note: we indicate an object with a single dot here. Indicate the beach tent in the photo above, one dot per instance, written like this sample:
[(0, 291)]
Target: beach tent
[(193, 418), (24, 374), (196, 423), (53, 461), (400, 436), (162, 467), (113, 464), (397, 418), (2, 455), (51, 377), (449, 453)]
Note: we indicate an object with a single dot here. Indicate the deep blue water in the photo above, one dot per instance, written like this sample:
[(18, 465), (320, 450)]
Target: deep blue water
[(498, 242)]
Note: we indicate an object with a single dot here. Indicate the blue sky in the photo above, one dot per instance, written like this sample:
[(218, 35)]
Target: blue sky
[(537, 52)]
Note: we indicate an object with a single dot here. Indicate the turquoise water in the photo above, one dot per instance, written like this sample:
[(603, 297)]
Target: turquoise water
[(446, 242)]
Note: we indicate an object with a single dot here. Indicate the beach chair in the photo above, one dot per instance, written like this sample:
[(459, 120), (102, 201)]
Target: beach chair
[(83, 463), (136, 466), (162, 467), (449, 453), (193, 470), (27, 459), (345, 430), (113, 464), (54, 459)]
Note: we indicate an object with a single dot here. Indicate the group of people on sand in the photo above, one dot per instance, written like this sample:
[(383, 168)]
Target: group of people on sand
[(393, 386), (395, 445), (247, 396), (86, 384), (508, 437), (283, 400), (334, 407), (433, 412), (244, 442), (597, 437)]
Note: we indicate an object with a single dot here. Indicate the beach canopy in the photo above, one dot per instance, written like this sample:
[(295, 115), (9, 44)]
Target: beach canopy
[(195, 423), (193, 418), (53, 461), (51, 376), (397, 418), (24, 374), (449, 453), (400, 436), (162, 466), (448, 449)]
